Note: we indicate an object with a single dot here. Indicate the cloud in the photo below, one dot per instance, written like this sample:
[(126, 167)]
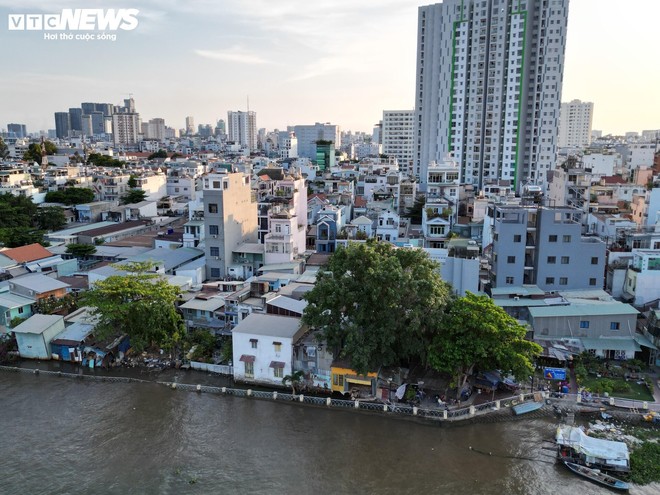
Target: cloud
[(234, 54)]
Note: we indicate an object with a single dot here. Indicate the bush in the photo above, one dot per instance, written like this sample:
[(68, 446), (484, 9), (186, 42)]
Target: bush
[(603, 386), (645, 463), (620, 386)]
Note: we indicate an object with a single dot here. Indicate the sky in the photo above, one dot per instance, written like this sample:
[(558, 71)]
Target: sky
[(297, 61)]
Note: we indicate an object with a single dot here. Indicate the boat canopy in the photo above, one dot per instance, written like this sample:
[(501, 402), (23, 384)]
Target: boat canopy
[(613, 453)]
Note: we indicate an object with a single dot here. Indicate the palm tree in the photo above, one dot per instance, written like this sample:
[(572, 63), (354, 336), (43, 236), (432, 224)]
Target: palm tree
[(294, 378)]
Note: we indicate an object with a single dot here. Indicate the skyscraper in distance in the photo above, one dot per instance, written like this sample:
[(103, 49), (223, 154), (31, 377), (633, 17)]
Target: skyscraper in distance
[(488, 87), (575, 121), (242, 128)]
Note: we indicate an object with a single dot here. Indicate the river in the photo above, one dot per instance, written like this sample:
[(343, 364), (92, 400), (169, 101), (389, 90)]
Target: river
[(66, 436)]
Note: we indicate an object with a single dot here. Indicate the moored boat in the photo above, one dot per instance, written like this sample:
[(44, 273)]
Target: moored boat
[(526, 407), (597, 476), (575, 446)]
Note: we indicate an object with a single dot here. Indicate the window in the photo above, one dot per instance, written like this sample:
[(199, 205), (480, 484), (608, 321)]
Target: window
[(338, 380), (249, 370), (614, 325), (215, 272), (509, 280), (517, 238), (563, 280), (592, 281), (20, 311), (549, 280), (566, 238), (565, 260), (510, 259), (552, 260), (215, 251), (278, 372), (594, 260), (552, 238), (277, 346), (584, 323), (253, 343), (213, 208), (213, 230)]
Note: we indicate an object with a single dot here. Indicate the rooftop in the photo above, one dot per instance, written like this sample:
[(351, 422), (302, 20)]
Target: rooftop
[(269, 325), (597, 309), (38, 283), (25, 254), (36, 324)]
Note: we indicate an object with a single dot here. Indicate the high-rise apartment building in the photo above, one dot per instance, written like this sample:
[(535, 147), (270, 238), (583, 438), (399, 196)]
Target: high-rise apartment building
[(488, 87), (575, 121), (17, 130), (62, 125), (190, 125), (308, 135), (242, 128), (397, 136), (154, 129), (75, 118), (125, 128)]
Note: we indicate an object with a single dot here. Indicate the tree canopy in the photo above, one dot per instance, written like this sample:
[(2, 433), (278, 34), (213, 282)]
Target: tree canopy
[(133, 196), (19, 221), (4, 150), (33, 153), (161, 153), (71, 196), (140, 304), (80, 250), (50, 218), (377, 305), (476, 334), (104, 160), (415, 212)]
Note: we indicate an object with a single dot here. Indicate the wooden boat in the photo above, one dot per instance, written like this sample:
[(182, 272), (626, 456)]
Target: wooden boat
[(597, 476), (526, 407)]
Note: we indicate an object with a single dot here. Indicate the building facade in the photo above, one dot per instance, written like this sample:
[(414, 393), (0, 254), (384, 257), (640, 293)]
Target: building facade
[(230, 217), (308, 135), (575, 122), (488, 87), (242, 128), (397, 137)]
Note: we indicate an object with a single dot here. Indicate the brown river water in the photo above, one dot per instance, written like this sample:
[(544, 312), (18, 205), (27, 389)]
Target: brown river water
[(67, 436)]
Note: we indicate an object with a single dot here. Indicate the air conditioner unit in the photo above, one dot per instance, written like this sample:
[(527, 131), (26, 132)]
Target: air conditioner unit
[(216, 257), (214, 236)]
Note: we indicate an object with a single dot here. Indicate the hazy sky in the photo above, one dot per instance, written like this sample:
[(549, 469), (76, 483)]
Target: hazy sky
[(300, 62)]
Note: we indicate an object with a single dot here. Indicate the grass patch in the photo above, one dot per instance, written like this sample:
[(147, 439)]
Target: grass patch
[(618, 387)]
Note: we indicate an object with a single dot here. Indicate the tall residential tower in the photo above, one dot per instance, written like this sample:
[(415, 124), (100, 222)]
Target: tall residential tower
[(575, 121), (488, 89), (242, 128)]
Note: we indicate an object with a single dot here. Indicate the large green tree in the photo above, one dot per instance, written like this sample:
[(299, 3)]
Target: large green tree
[(377, 305), (19, 221), (33, 153), (140, 304), (80, 250), (71, 196), (133, 196), (50, 218), (475, 334)]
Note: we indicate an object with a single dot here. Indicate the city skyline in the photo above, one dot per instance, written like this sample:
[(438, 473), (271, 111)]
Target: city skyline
[(330, 61)]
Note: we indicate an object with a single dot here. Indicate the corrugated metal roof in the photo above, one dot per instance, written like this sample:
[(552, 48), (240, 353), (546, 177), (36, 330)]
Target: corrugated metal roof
[(9, 301), (76, 332), (288, 303), (271, 325), (38, 283), (210, 304), (611, 343), (36, 324), (602, 309)]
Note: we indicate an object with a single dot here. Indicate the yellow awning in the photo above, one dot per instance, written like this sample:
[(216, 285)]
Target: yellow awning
[(358, 381)]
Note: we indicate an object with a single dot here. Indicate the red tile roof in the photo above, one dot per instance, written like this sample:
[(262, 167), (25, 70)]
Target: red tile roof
[(25, 254), (614, 179), (360, 201)]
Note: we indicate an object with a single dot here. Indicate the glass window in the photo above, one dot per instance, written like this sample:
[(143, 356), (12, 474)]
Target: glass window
[(510, 259), (552, 238), (550, 280), (215, 272), (565, 260), (563, 281), (592, 281), (215, 251), (614, 325), (594, 260), (213, 208), (277, 346), (566, 238), (249, 370), (552, 260), (584, 323), (278, 372), (253, 343), (213, 230), (509, 280), (517, 238)]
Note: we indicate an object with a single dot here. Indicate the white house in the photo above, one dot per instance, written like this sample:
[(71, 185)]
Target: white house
[(263, 348)]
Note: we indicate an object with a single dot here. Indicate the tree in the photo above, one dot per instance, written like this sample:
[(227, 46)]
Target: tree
[(415, 211), (18, 221), (80, 250), (50, 218), (140, 304), (158, 154), (477, 334), (71, 196), (133, 196), (376, 304), (4, 150), (293, 379), (33, 153), (100, 160), (132, 181)]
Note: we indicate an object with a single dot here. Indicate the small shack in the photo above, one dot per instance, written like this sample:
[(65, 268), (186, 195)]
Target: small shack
[(67, 345), (35, 334)]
